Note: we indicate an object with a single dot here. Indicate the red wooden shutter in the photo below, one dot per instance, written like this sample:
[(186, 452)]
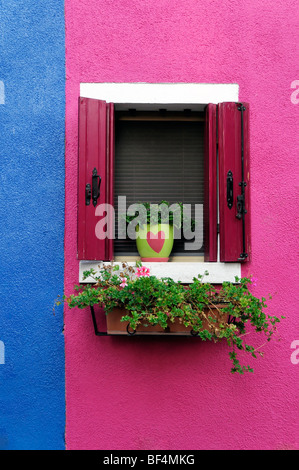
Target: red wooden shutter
[(210, 174), (96, 153), (233, 148)]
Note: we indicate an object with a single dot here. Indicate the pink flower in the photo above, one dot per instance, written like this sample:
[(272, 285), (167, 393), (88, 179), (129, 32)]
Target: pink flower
[(143, 271), (123, 283), (253, 281)]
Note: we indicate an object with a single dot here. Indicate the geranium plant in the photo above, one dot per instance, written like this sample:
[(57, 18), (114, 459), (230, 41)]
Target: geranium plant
[(146, 299)]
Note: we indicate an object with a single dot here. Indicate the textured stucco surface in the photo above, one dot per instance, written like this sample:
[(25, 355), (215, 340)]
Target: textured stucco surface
[(153, 394), (32, 110)]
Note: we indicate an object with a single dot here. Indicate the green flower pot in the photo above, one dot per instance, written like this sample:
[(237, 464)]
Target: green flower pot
[(154, 242)]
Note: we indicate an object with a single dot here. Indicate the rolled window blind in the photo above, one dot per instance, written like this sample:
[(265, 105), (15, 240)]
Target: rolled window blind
[(158, 160)]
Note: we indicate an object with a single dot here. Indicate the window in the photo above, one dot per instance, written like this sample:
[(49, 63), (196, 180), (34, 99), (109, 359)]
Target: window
[(110, 138), (159, 155)]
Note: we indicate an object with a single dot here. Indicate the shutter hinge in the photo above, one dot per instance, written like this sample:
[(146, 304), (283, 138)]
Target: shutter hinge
[(218, 228)]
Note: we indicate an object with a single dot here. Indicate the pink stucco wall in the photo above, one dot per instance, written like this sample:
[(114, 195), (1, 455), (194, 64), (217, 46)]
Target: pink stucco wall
[(153, 394)]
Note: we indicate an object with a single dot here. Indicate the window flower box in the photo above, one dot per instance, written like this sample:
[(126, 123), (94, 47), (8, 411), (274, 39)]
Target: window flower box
[(137, 303)]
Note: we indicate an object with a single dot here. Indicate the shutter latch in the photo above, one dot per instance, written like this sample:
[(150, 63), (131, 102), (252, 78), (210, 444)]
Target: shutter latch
[(93, 192), (87, 194), (229, 189), (241, 204)]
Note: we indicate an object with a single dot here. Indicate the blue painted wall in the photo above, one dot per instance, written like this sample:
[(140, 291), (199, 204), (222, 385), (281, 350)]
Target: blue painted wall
[(32, 116)]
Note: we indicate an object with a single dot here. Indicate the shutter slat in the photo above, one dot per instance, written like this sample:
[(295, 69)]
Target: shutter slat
[(210, 186), (110, 175)]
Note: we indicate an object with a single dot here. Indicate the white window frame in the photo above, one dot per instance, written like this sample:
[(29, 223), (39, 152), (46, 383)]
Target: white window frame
[(175, 96)]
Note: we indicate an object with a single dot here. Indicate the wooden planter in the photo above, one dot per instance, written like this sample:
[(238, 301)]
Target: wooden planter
[(116, 327)]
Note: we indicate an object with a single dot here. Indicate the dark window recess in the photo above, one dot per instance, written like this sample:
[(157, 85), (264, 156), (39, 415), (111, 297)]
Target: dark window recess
[(159, 160)]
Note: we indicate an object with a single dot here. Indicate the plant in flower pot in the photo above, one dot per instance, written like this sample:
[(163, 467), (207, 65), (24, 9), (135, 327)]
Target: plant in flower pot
[(154, 228), (137, 303)]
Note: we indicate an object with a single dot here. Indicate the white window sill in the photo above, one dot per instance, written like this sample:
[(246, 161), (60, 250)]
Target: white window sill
[(178, 271)]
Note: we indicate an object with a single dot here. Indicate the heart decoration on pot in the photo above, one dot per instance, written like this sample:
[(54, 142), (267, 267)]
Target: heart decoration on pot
[(156, 242)]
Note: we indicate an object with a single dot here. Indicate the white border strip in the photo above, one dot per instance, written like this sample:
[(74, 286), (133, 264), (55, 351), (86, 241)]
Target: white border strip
[(184, 272), (161, 93)]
